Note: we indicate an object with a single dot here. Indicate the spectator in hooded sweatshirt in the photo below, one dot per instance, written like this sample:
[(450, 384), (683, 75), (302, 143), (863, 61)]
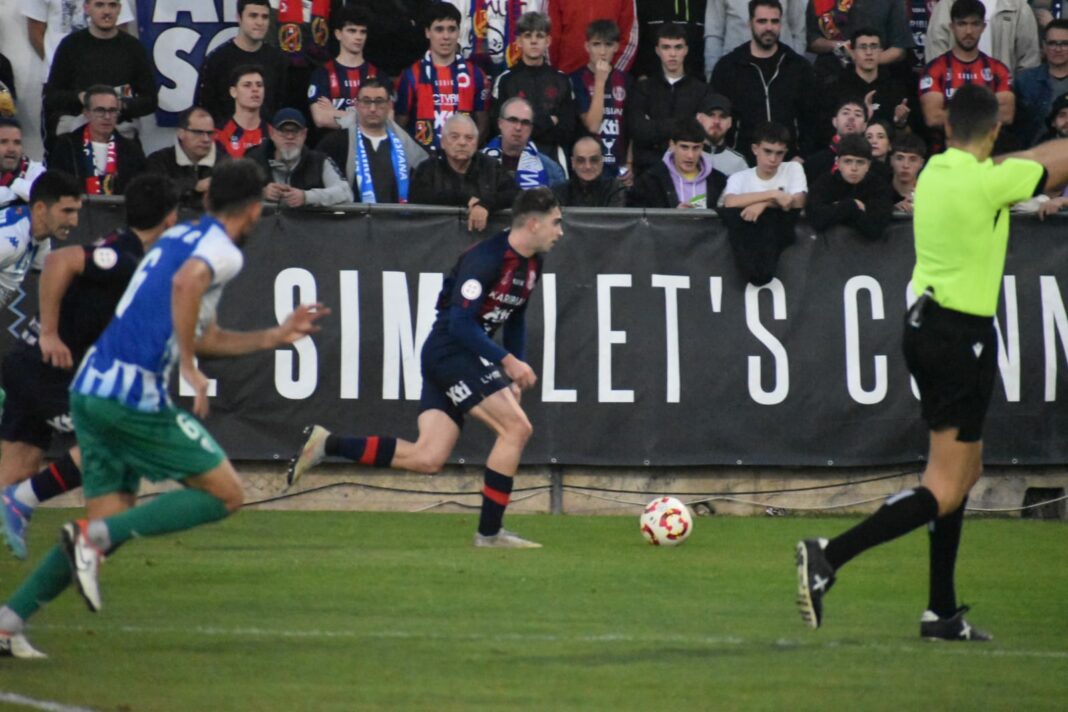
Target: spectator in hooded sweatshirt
[(767, 81), (852, 195), (684, 178)]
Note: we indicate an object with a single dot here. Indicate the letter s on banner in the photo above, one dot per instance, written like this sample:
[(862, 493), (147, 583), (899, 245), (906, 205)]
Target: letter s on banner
[(307, 376), (781, 388)]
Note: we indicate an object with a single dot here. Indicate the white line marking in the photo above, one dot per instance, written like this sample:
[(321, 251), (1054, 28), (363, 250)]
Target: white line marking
[(976, 649), (48, 705)]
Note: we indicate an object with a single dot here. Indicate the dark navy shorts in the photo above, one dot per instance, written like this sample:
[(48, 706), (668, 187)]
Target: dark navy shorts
[(38, 403), (953, 357), (457, 381)]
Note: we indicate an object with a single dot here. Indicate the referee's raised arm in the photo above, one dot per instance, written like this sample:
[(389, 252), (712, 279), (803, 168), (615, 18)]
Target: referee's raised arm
[(1053, 155)]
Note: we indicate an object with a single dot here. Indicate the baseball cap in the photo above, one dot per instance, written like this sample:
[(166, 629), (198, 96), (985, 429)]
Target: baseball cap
[(288, 116), (713, 102)]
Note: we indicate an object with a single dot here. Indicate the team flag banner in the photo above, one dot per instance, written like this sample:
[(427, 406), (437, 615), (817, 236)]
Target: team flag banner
[(648, 348), (178, 35)]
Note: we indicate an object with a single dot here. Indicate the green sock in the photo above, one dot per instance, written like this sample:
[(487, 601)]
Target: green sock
[(170, 512), (46, 582)]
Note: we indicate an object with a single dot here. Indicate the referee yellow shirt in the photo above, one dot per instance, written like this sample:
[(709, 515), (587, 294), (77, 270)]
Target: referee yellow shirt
[(961, 224)]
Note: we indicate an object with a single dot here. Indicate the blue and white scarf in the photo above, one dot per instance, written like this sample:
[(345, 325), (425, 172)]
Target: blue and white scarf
[(530, 173), (364, 182)]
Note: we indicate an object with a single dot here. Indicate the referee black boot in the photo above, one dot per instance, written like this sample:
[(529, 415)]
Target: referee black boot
[(953, 628), (815, 576)]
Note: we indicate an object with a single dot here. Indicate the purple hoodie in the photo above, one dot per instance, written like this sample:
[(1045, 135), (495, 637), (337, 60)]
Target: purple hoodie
[(686, 189)]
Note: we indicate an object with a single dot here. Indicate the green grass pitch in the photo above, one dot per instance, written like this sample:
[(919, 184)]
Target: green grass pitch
[(362, 611)]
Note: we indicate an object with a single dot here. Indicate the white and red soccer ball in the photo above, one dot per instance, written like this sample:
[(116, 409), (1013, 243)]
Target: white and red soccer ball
[(666, 522)]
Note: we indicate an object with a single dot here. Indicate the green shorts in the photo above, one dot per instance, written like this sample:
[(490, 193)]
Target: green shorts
[(121, 445)]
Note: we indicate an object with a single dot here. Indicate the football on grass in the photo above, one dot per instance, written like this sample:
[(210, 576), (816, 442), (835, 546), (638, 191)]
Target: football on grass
[(666, 522)]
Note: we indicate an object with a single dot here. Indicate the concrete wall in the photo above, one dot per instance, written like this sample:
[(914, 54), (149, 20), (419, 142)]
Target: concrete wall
[(586, 491)]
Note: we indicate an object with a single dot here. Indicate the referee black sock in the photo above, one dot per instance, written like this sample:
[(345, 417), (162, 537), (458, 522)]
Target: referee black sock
[(496, 492), (373, 450), (57, 478), (900, 514), (944, 535)]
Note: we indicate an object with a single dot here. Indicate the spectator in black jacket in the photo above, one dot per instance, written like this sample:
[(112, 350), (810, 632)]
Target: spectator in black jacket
[(104, 161), (852, 195), (654, 14), (547, 89), (99, 54), (684, 178), (767, 81), (907, 158), (246, 49), (190, 161), (659, 99), (588, 186), (462, 176)]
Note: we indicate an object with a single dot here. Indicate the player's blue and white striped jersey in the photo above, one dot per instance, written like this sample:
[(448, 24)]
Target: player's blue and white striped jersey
[(19, 252), (132, 360)]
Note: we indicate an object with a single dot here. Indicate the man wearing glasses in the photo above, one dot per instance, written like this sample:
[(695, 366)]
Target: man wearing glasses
[(96, 154), (886, 96), (588, 186), (517, 153), (99, 54), (190, 161), (376, 155), (296, 175), (1037, 87)]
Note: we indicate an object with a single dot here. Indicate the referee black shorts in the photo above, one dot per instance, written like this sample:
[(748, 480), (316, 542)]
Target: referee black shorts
[(953, 357)]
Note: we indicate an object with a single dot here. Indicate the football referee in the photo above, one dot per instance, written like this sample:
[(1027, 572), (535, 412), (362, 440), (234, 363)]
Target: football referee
[(961, 225)]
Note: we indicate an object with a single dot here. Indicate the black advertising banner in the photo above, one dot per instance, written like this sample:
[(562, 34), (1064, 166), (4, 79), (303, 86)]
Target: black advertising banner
[(648, 348)]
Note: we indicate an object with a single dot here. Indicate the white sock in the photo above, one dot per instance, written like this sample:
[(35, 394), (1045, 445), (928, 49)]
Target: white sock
[(99, 534), (11, 621), (24, 494)]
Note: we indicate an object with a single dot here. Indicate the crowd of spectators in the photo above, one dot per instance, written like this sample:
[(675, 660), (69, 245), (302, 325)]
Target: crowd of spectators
[(759, 109)]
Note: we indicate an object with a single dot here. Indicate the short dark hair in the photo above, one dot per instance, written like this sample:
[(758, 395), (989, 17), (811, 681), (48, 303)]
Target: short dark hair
[(11, 122), (866, 31), (606, 30), (670, 31), (909, 143), (440, 11), (688, 129), (244, 69), (242, 4), (235, 185), (376, 83), (754, 4), (52, 186), (533, 22), (973, 112), (963, 9), (350, 15), (97, 90), (850, 101), (888, 127), (1061, 23), (854, 145), (536, 201), (183, 118), (150, 198), (771, 132)]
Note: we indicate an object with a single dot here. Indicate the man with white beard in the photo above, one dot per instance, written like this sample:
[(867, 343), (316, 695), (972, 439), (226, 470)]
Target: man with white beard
[(296, 174)]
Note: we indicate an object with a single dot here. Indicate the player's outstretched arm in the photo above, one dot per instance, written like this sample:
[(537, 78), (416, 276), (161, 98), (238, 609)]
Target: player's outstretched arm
[(1053, 155), (300, 322), (60, 269)]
